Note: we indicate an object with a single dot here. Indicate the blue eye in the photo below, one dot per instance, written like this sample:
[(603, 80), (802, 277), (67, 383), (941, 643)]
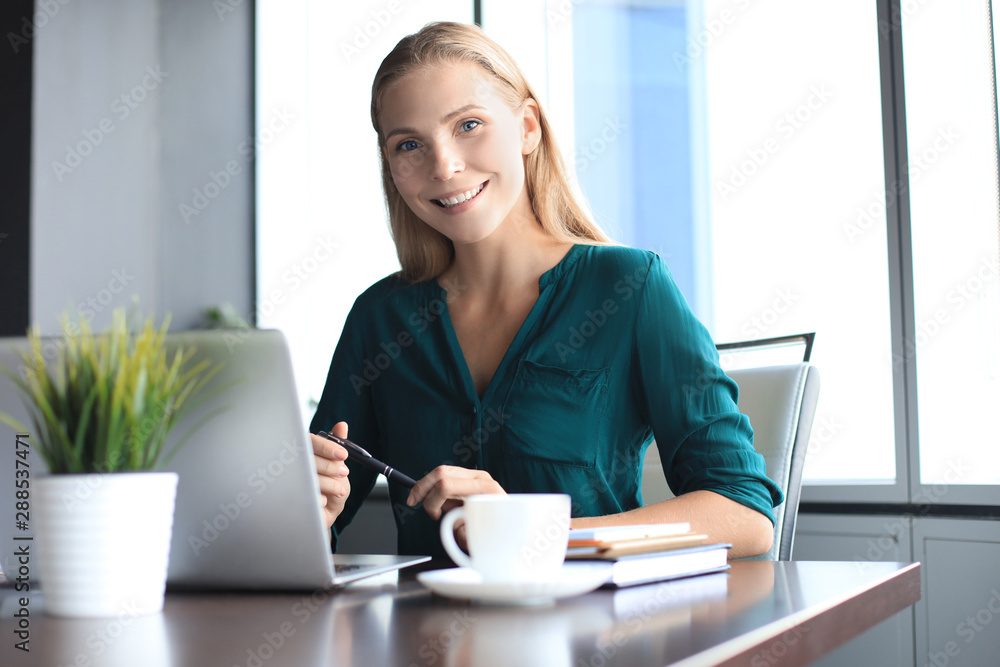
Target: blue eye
[(470, 125), (408, 145)]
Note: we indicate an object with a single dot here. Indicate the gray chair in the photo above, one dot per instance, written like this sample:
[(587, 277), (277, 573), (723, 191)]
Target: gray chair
[(780, 402)]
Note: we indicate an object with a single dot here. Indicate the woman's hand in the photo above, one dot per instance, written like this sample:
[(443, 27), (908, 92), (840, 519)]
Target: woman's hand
[(334, 487), (445, 487)]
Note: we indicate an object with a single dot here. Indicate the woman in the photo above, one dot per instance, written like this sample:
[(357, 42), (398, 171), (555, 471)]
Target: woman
[(518, 350)]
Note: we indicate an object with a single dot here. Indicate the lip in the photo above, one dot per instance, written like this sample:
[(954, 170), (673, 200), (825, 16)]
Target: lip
[(467, 204)]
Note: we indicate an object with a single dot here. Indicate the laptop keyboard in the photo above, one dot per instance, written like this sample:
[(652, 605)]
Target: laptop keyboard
[(340, 568)]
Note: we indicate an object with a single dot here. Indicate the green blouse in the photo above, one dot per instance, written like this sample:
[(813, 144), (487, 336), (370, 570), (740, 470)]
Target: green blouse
[(609, 358)]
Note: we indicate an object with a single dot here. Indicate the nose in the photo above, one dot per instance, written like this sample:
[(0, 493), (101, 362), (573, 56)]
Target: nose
[(446, 162)]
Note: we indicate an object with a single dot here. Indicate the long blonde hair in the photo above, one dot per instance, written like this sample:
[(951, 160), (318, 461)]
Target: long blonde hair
[(423, 251)]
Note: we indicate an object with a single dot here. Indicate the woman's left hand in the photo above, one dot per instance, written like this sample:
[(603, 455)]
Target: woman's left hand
[(446, 486)]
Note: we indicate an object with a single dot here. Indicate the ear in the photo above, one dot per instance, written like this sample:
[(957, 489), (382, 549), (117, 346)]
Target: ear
[(531, 126)]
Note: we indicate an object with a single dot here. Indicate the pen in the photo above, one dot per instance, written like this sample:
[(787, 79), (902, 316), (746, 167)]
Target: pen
[(361, 455)]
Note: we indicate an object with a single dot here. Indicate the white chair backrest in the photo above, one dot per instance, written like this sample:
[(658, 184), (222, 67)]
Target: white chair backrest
[(780, 402)]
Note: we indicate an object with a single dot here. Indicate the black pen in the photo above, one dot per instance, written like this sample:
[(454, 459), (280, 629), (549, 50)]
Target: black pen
[(361, 455)]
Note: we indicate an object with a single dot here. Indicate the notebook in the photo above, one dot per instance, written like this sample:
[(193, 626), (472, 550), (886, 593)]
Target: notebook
[(247, 513)]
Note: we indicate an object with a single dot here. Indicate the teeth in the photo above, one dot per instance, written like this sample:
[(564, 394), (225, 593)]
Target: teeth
[(458, 199)]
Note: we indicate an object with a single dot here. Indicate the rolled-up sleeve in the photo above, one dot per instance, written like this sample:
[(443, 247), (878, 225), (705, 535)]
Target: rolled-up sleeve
[(691, 404)]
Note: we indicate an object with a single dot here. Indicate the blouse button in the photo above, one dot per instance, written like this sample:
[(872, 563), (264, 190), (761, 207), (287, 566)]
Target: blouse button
[(475, 410)]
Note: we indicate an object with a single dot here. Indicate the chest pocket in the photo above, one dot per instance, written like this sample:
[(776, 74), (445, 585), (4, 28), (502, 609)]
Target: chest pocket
[(555, 414)]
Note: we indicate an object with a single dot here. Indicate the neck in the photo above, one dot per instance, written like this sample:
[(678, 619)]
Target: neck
[(505, 263)]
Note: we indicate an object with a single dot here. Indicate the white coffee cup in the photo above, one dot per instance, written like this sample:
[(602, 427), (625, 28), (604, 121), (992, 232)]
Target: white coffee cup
[(519, 537)]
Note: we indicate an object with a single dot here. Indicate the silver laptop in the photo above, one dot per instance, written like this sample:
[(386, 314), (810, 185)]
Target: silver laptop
[(247, 514)]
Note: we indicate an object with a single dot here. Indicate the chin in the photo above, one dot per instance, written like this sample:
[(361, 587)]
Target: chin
[(460, 234)]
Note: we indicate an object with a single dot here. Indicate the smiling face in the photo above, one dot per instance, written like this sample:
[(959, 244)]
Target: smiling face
[(456, 149)]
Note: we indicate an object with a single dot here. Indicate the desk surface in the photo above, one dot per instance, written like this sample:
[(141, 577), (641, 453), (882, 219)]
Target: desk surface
[(759, 613)]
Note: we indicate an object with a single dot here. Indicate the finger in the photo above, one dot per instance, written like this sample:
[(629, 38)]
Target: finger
[(327, 448), (330, 468), (334, 488), (333, 498), (424, 485), (454, 484), (340, 430), (446, 493)]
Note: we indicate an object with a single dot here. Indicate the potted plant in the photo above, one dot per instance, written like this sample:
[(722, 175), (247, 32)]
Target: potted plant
[(101, 412)]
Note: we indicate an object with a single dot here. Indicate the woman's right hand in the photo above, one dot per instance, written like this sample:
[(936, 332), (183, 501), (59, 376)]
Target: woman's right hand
[(334, 487)]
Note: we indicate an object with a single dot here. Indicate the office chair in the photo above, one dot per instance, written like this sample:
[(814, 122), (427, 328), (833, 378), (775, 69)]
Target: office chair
[(780, 402)]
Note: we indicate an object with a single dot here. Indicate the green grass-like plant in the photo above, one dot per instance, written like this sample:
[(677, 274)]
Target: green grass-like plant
[(109, 400)]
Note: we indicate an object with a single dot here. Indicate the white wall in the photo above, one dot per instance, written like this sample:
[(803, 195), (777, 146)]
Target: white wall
[(136, 103)]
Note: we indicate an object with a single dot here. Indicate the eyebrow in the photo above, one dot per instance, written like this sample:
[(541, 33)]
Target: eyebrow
[(447, 117)]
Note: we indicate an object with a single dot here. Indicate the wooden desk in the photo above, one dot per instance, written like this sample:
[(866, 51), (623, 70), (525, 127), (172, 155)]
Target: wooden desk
[(759, 614)]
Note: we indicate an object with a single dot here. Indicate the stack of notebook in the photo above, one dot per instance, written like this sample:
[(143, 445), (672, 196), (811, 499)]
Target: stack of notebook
[(645, 553)]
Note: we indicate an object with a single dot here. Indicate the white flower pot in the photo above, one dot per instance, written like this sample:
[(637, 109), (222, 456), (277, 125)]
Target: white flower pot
[(103, 541)]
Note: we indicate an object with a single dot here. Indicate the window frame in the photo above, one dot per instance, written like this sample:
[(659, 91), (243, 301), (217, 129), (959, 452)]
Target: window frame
[(907, 491)]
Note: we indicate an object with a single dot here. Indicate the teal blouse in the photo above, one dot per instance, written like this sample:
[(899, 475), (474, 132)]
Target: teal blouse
[(609, 358)]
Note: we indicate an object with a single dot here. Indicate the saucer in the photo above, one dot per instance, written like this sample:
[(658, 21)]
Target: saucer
[(467, 584)]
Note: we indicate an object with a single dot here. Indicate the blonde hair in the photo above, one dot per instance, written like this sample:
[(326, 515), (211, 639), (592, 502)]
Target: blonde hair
[(423, 251)]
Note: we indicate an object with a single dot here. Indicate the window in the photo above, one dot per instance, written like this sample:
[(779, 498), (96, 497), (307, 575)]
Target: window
[(736, 145), (951, 130)]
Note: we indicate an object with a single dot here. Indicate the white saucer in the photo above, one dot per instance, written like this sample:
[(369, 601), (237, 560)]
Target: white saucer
[(466, 583)]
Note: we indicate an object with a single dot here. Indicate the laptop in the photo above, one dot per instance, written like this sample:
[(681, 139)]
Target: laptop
[(247, 514)]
